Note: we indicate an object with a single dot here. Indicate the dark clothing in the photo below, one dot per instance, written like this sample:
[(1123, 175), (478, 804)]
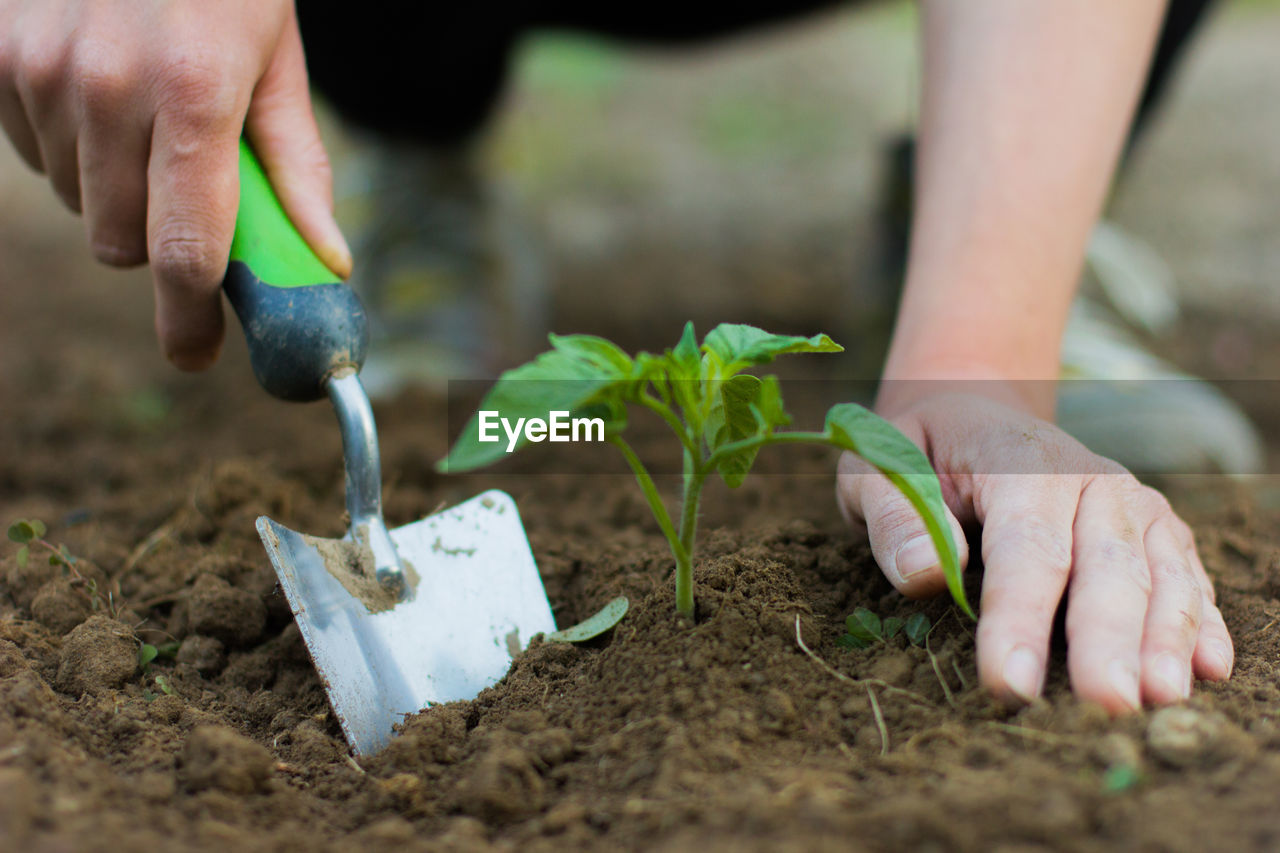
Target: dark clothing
[(433, 72)]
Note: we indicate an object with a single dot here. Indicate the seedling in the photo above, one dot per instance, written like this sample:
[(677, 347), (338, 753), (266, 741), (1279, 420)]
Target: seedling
[(863, 628), (721, 415), (29, 533)]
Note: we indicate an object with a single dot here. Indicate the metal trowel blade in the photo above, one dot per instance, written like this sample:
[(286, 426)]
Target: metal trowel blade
[(476, 601)]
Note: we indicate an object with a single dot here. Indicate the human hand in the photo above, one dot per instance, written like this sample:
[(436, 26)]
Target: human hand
[(134, 109), (1056, 520)]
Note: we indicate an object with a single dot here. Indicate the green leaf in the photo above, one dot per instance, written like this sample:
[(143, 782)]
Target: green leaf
[(917, 628), (168, 650), (849, 641), (686, 359), (23, 531), (164, 685), (24, 555), (593, 350), (733, 419), (892, 625), (581, 371), (1120, 778), (593, 626), (853, 428), (864, 624), (146, 654), (737, 345)]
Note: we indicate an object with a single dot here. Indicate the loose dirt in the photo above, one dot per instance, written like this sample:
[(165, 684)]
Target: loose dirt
[(725, 735)]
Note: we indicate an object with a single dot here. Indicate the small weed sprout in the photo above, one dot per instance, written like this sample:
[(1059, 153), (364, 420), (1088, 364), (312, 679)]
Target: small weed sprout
[(864, 628), (720, 414), (29, 534)]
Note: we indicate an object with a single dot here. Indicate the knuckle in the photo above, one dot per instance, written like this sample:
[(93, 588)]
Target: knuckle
[(893, 521), (103, 81), (199, 93), (118, 253), (184, 257), (43, 69), (1032, 541)]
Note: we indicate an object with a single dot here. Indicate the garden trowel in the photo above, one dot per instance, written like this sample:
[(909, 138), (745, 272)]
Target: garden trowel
[(395, 620)]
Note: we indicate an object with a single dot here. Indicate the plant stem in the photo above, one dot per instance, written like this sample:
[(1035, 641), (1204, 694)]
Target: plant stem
[(694, 477)]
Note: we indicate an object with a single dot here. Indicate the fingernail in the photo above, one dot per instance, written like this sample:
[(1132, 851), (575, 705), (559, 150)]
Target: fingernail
[(1124, 681), (1022, 673), (915, 557), (336, 254), (1223, 653), (1170, 670)]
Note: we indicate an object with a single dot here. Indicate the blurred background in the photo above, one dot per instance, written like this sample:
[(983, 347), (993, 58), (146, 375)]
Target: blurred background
[(741, 180)]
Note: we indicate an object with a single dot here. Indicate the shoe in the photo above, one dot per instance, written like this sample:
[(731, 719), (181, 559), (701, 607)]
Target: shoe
[(1126, 404), (453, 287)]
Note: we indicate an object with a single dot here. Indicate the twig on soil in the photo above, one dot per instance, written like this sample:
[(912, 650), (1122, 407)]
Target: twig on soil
[(880, 726), (145, 547), (354, 766), (937, 671), (860, 682), (964, 682), (1033, 734)]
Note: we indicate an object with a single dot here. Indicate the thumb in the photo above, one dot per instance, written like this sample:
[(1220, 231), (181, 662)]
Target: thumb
[(899, 539), (282, 128)]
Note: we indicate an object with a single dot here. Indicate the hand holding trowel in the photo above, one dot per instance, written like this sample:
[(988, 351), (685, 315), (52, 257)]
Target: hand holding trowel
[(394, 620)]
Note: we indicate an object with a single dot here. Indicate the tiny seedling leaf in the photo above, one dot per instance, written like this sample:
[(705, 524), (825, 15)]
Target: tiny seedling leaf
[(685, 358), (146, 654), (168, 650), (165, 687), (593, 626), (26, 530), (864, 624), (849, 641), (1120, 778), (917, 628), (891, 625)]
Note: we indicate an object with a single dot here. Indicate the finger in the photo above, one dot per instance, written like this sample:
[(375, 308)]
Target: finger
[(282, 128), (113, 149), (40, 86), (1174, 615), (192, 195), (1107, 603), (13, 116), (13, 120), (1026, 550), (899, 540), (1214, 656), (1215, 651)]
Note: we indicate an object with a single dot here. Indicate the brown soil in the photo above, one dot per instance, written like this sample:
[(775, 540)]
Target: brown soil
[(721, 736)]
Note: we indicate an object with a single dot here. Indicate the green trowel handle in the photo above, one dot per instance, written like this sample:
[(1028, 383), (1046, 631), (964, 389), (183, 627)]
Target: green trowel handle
[(302, 324)]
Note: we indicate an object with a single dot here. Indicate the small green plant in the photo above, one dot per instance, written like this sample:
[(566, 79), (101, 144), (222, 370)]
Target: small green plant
[(721, 415), (148, 653), (29, 533), (864, 628)]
